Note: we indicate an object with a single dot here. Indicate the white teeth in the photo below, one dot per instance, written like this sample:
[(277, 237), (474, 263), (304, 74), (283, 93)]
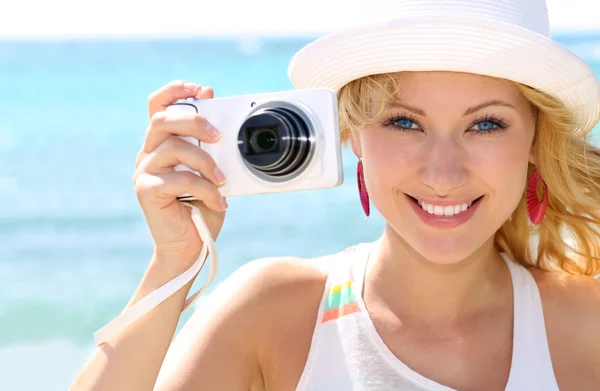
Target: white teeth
[(449, 210)]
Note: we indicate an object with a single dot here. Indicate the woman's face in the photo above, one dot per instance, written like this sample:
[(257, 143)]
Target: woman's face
[(451, 140)]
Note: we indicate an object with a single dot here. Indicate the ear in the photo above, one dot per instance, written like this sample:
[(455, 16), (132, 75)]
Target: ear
[(534, 134), (532, 152), (355, 143)]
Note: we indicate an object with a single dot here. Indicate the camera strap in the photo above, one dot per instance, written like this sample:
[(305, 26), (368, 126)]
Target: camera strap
[(139, 309)]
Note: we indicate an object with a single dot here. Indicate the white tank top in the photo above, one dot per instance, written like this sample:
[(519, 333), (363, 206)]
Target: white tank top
[(347, 353)]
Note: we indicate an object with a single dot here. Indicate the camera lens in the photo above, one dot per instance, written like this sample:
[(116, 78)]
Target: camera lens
[(275, 141), (263, 140)]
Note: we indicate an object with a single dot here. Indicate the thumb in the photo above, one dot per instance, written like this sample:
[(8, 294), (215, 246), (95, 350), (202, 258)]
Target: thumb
[(212, 218)]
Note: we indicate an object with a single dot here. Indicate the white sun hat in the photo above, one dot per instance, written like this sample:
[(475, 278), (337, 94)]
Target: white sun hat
[(508, 39)]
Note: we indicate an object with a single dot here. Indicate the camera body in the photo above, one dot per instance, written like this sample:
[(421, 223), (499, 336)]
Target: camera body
[(273, 142)]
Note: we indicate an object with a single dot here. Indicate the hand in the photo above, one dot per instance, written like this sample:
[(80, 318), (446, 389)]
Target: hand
[(157, 185)]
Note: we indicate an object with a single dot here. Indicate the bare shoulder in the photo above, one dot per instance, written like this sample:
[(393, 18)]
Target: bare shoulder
[(259, 317), (572, 314), (262, 275), (577, 297), (268, 283)]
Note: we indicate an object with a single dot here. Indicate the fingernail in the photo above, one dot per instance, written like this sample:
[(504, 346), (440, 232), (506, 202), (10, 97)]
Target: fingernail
[(192, 87), (212, 131), (219, 176), (224, 203)]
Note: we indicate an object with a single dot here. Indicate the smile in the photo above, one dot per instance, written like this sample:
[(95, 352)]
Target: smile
[(441, 210), (446, 214)]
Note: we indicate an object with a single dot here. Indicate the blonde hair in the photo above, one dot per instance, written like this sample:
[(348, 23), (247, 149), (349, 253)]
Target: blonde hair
[(568, 239)]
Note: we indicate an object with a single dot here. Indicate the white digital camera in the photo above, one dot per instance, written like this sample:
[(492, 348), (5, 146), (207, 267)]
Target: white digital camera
[(274, 142)]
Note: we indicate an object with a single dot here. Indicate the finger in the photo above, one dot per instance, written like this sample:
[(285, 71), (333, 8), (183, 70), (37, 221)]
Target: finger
[(140, 157), (180, 123), (172, 184), (174, 151), (170, 93), (205, 93)]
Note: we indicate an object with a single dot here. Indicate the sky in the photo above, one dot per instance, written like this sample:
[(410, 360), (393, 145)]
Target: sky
[(56, 19)]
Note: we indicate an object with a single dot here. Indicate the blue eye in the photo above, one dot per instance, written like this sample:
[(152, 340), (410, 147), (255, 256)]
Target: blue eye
[(402, 122), (405, 123), (486, 126)]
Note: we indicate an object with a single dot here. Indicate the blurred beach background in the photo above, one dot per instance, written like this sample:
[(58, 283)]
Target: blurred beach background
[(74, 82)]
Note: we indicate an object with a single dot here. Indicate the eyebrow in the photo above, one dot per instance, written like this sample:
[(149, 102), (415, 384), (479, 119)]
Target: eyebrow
[(469, 111)]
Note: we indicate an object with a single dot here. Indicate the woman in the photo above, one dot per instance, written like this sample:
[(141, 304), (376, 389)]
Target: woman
[(470, 127)]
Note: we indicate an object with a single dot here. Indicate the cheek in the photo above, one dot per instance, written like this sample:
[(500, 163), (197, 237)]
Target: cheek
[(501, 163), (388, 161)]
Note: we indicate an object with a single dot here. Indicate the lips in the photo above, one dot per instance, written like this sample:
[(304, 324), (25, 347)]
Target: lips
[(447, 209), (441, 219)]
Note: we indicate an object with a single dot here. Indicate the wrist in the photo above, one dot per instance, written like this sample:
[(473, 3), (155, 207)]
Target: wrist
[(180, 261)]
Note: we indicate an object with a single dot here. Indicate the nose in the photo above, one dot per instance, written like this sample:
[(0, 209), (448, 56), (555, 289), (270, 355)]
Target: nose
[(443, 168)]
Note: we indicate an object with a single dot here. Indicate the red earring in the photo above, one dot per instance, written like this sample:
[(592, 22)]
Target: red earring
[(536, 208), (362, 189)]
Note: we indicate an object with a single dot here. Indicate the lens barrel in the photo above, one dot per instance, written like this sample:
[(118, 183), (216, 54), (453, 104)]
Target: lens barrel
[(275, 141)]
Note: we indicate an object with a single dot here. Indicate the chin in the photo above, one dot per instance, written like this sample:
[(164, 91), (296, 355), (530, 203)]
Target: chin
[(448, 249), (443, 254), (439, 246), (443, 240)]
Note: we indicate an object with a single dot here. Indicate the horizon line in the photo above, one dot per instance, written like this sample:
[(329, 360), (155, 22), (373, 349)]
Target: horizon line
[(312, 35)]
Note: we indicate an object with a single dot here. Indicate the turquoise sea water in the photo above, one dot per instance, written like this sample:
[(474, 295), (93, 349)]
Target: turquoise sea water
[(73, 243)]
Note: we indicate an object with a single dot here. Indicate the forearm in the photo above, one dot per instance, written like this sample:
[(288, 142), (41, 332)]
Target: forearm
[(132, 360)]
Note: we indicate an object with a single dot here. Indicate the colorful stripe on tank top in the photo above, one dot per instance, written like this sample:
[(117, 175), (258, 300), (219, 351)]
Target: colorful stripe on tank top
[(340, 302)]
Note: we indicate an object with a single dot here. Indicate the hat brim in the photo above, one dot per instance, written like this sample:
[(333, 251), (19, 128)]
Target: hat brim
[(458, 44)]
